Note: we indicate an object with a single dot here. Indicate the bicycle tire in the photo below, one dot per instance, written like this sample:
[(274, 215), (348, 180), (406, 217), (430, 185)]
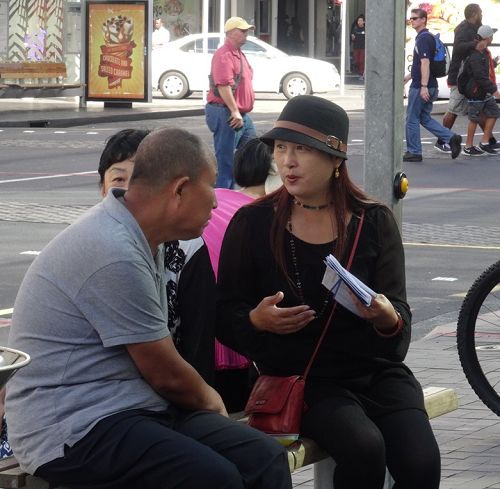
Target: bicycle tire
[(478, 337)]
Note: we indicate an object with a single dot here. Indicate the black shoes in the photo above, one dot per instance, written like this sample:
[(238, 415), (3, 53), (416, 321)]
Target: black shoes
[(412, 157), (455, 145), (473, 151), (443, 147), (488, 148), (494, 144)]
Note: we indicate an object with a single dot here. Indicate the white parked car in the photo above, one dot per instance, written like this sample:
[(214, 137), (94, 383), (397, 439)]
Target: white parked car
[(181, 67)]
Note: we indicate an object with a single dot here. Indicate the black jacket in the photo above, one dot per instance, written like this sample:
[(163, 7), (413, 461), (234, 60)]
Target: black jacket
[(463, 45), (479, 70)]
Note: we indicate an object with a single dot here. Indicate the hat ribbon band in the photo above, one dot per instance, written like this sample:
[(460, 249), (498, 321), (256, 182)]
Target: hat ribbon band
[(331, 141)]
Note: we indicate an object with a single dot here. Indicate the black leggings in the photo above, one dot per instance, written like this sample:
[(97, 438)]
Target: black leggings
[(363, 447)]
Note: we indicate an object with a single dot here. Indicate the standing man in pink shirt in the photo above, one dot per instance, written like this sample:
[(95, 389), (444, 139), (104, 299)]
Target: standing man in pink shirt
[(230, 99)]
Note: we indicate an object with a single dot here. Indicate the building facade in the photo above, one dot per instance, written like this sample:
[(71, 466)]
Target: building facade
[(51, 30)]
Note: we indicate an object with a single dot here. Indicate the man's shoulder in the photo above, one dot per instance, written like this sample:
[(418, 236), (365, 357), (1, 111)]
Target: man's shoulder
[(465, 31), (425, 43), (224, 49)]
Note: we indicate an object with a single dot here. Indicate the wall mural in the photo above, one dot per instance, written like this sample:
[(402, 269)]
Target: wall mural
[(35, 30), (179, 17)]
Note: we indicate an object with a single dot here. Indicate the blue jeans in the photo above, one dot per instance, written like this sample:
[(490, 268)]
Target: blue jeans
[(419, 112), (226, 141)]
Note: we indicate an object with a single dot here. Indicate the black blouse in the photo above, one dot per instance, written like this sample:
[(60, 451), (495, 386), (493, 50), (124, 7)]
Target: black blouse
[(248, 272)]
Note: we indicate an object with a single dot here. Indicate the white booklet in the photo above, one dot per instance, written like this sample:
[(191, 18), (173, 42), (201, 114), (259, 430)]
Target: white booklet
[(342, 284)]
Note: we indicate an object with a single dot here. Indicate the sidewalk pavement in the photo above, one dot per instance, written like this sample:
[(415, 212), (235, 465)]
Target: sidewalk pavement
[(469, 438), (60, 112), (65, 111)]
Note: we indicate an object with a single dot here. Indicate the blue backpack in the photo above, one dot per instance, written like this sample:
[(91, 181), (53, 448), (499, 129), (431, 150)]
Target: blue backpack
[(441, 60)]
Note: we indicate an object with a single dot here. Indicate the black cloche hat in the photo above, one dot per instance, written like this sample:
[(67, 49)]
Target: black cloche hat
[(313, 121)]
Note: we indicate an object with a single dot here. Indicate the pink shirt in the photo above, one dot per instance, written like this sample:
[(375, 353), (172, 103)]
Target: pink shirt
[(229, 201), (226, 63)]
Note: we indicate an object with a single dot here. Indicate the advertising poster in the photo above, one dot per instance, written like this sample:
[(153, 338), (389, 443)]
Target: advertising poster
[(116, 55)]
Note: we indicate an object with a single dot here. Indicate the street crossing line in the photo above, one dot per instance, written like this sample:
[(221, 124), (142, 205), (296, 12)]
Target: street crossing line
[(436, 245), (60, 175)]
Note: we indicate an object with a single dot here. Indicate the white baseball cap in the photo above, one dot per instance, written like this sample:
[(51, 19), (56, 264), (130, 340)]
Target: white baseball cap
[(485, 31)]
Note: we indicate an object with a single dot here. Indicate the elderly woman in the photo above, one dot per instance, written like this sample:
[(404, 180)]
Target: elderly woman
[(364, 406)]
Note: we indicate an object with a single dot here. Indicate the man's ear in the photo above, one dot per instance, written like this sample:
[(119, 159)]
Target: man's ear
[(179, 186)]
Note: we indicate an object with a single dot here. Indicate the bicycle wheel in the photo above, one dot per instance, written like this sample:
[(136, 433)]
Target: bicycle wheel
[(478, 337)]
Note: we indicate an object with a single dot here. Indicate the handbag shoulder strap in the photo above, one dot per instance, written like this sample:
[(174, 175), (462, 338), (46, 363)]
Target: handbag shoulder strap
[(327, 324)]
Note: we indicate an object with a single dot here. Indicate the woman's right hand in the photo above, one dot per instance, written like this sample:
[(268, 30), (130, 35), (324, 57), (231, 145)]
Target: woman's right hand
[(267, 316)]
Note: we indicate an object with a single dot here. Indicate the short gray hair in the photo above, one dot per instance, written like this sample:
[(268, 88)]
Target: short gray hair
[(167, 154)]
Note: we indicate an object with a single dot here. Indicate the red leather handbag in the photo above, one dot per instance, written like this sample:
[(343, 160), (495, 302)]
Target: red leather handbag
[(276, 404)]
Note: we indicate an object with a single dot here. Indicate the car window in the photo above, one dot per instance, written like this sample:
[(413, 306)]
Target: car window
[(188, 47), (213, 43), (252, 48)]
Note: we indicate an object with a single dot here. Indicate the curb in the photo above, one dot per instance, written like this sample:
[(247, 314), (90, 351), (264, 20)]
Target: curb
[(101, 118)]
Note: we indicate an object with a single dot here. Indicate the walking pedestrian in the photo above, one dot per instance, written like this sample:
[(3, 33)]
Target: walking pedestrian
[(464, 43), (478, 82), (230, 99), (422, 93)]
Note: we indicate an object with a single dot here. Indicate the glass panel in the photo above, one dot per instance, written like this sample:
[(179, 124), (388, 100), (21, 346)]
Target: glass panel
[(252, 48)]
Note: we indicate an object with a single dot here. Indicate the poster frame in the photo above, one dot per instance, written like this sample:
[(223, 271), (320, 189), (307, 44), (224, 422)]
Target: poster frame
[(143, 95)]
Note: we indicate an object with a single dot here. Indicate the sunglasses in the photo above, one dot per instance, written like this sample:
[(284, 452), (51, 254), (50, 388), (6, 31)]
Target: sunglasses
[(415, 18)]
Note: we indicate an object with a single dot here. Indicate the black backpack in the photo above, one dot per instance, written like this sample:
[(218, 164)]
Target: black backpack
[(441, 61), (465, 82)]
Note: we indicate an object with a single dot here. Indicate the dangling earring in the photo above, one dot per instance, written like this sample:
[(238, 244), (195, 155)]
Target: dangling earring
[(337, 172)]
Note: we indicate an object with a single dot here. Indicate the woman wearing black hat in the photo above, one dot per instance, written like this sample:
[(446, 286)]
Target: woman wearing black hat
[(365, 407)]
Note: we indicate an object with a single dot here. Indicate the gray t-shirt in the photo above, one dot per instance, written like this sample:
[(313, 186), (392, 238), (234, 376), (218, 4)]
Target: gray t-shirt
[(95, 288)]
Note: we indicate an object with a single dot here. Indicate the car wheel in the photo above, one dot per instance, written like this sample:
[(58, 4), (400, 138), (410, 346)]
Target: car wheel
[(174, 85), (296, 84)]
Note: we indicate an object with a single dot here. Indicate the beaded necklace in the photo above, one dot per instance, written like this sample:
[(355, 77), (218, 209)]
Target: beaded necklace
[(311, 207), (298, 281)]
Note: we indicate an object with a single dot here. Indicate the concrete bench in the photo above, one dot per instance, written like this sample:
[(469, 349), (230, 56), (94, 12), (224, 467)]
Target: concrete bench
[(35, 78), (438, 401)]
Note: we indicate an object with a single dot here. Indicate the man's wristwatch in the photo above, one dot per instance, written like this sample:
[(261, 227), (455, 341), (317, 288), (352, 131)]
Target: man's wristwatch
[(423, 86)]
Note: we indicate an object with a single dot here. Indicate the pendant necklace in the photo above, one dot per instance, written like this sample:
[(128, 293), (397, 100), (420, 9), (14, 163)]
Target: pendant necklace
[(298, 281)]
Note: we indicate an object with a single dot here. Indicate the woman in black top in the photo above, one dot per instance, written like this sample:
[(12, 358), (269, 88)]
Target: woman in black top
[(365, 407), (358, 45)]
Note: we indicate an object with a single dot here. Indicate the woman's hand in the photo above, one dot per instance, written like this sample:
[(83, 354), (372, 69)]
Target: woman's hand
[(267, 316), (380, 313)]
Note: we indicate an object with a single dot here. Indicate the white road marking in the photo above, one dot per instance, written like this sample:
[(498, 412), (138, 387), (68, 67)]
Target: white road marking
[(444, 279), (469, 247), (45, 177), (30, 252), (6, 312)]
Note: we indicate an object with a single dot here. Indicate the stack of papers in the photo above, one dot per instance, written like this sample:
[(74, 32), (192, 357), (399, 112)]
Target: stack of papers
[(345, 287)]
